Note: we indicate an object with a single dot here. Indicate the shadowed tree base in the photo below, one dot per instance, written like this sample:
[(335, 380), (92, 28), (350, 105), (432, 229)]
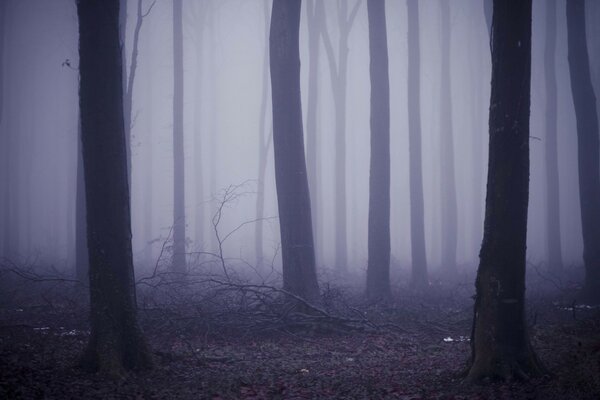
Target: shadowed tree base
[(505, 366)]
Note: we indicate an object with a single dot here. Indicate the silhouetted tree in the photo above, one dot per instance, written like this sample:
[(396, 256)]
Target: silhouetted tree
[(178, 158), (448, 179), (499, 342), (588, 144), (552, 184), (299, 273), (339, 76), (378, 269), (417, 219), (116, 342)]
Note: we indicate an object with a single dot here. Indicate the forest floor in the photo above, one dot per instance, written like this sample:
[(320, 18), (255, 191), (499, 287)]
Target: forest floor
[(412, 348)]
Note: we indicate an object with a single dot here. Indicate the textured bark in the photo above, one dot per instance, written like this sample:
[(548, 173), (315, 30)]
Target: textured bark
[(378, 268), (263, 147), (179, 257), (116, 342), (298, 257), (449, 209), (587, 145), (417, 213), (314, 15), (552, 185), (500, 343)]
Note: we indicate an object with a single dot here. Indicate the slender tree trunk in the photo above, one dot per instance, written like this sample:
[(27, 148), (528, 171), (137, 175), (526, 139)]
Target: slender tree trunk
[(314, 14), (213, 131), (4, 141), (179, 258), (116, 342), (198, 133), (552, 184), (378, 269), (587, 145), (417, 219), (299, 272), (81, 247), (448, 189), (500, 343), (263, 146)]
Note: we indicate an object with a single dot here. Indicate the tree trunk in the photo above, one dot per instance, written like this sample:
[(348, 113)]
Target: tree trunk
[(552, 184), (499, 341), (587, 145), (116, 342), (448, 189), (378, 269), (4, 140), (420, 278), (314, 14), (299, 273), (263, 147), (179, 257), (81, 247), (198, 132)]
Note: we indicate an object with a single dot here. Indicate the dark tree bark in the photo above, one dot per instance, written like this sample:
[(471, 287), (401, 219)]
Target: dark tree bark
[(179, 257), (417, 218), (299, 273), (448, 190), (500, 343), (587, 145), (314, 15), (339, 77), (81, 247), (378, 269), (116, 342), (264, 142), (552, 184)]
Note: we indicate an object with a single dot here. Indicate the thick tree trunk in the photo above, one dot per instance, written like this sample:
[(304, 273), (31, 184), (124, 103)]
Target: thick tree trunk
[(499, 342), (417, 218), (552, 184), (448, 189), (587, 145), (314, 13), (179, 257), (299, 273), (116, 342), (378, 269), (263, 147)]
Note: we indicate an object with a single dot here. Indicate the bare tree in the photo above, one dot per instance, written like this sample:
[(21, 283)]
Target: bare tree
[(500, 346), (417, 219), (116, 342), (588, 145), (378, 269), (298, 256)]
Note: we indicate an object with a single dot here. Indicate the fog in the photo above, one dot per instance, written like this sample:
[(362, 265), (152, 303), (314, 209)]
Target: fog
[(224, 48)]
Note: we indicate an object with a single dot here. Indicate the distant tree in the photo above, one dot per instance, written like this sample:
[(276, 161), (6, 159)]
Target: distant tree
[(298, 256), (179, 257), (339, 76), (264, 142), (552, 184), (417, 214), (588, 145), (500, 346), (378, 268), (449, 209), (314, 17), (116, 342)]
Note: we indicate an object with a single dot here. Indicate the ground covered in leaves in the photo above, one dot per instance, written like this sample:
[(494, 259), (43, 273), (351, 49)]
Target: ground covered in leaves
[(411, 348)]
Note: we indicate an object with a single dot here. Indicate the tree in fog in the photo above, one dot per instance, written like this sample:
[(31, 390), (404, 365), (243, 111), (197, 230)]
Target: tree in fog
[(378, 268), (178, 159), (264, 142), (417, 217), (314, 17), (586, 116), (552, 184), (447, 177), (298, 256), (81, 248), (4, 201), (338, 73), (116, 342), (500, 346)]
